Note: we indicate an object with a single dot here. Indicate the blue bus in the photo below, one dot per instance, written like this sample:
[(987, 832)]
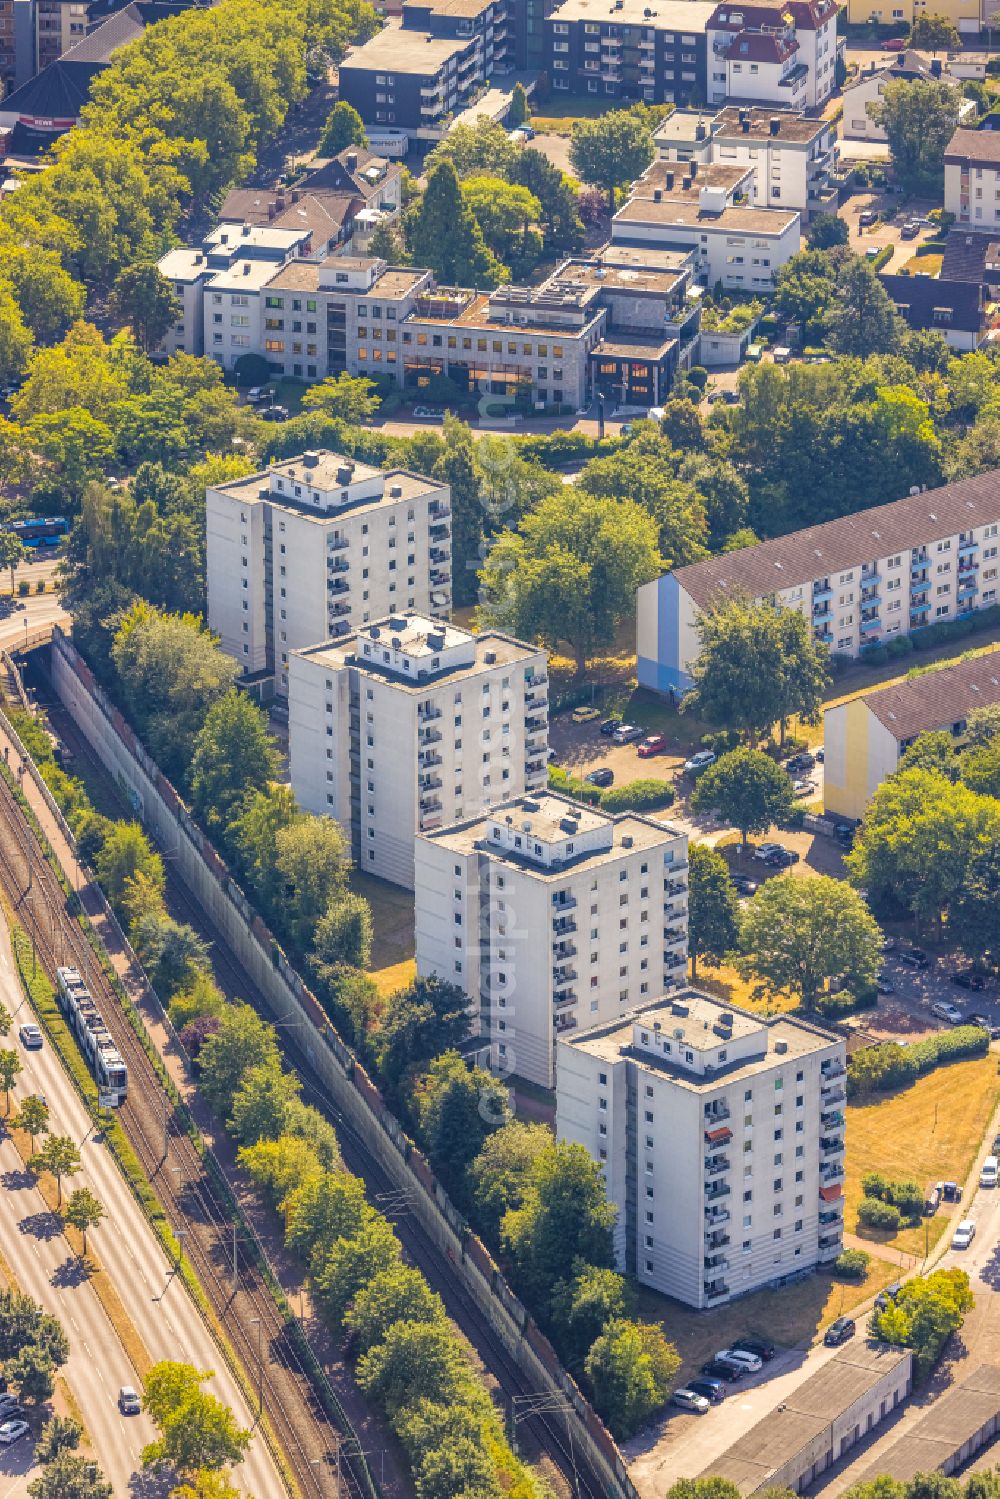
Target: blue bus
[(40, 531)]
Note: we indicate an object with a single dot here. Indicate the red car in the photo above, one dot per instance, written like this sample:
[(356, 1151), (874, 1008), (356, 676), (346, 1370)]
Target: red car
[(894, 44), (654, 745)]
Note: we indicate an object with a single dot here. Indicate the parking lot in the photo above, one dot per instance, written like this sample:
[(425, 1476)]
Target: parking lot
[(906, 1014), (888, 230)]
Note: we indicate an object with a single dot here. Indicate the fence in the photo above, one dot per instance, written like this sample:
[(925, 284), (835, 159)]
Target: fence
[(351, 1090)]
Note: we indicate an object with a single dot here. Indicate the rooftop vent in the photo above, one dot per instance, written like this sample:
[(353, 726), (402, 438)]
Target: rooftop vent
[(679, 1008), (435, 642), (781, 1047), (627, 840), (775, 125), (395, 491), (490, 658), (657, 195), (352, 161), (568, 825), (529, 806), (310, 460)]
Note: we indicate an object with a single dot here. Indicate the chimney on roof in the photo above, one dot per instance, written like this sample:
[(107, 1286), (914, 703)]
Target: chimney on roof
[(775, 125), (745, 122), (245, 231), (295, 195), (694, 170), (352, 161), (935, 67), (272, 209), (699, 131)]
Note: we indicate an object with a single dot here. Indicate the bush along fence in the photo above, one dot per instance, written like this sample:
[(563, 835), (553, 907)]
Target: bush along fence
[(877, 1069), (350, 1089), (121, 1149)]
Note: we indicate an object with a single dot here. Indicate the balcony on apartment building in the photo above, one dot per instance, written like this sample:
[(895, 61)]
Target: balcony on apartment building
[(830, 1145), (715, 1290), (427, 759), (338, 565), (338, 586), (428, 736), (561, 950), (830, 1240), (716, 1113), (717, 1189), (715, 1238), (716, 1166), (534, 767), (821, 591), (794, 75), (714, 1219), (564, 926), (674, 960), (338, 611), (563, 997)]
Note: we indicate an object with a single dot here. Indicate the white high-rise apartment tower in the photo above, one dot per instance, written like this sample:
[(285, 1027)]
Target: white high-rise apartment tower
[(410, 724), (315, 546), (551, 915), (721, 1138)]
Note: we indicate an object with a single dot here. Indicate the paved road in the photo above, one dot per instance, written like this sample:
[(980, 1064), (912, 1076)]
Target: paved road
[(164, 1316)]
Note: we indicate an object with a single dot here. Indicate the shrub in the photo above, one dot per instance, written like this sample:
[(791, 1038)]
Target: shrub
[(902, 645), (874, 1184), (23, 588), (698, 375), (852, 1264), (879, 1215), (640, 796), (722, 741), (906, 1195), (876, 1069)]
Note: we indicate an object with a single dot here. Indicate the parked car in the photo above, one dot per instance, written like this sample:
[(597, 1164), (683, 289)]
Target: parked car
[(889, 944), (950, 1191), (275, 414), (913, 957), (802, 761), (757, 1346), (690, 1400), (910, 229), (731, 397), (429, 413), (609, 725), (9, 1407), (13, 1431), (932, 1201), (839, 1332), (743, 884), (970, 978), (989, 1171), (944, 1011), (699, 762), (962, 1237), (895, 44), (866, 218), (844, 834), (781, 858), (873, 252), (258, 393), (995, 1147), (763, 851), (749, 1361), (988, 1025), (889, 1294), (654, 745), (31, 1037), (128, 1401), (626, 733), (803, 788), (884, 985), (602, 776), (585, 715), (712, 1389), (728, 1372)]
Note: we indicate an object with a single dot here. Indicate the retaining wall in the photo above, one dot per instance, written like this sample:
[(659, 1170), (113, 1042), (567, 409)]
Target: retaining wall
[(350, 1088)]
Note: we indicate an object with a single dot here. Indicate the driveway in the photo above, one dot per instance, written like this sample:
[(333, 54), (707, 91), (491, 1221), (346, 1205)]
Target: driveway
[(906, 1014), (888, 230)]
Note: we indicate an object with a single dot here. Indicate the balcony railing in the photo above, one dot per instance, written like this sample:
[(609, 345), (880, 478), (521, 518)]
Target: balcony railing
[(714, 1217), (337, 588), (716, 1291), (717, 1190), (429, 736), (563, 903), (716, 1138), (831, 1070), (563, 926), (715, 1165)]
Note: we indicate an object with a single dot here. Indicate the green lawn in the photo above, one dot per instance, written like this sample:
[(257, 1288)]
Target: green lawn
[(556, 115)]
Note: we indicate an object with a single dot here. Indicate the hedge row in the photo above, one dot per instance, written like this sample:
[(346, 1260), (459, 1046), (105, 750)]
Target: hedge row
[(877, 1069)]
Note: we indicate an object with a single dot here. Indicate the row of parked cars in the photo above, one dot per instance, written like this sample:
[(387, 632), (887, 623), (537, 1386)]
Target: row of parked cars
[(745, 1356)]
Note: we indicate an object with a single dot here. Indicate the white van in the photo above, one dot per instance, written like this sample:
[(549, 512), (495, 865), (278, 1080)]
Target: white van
[(990, 1171)]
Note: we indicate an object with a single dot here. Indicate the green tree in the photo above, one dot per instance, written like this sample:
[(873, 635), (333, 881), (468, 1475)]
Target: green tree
[(344, 933), (422, 1356), (260, 1103), (799, 935), (144, 298), (935, 32), (49, 299), (980, 767), (32, 1117), (59, 1434), (429, 1017), (400, 1294), (482, 149), (502, 1171), (827, 230), (557, 193), (344, 397), (918, 122), (804, 670), (457, 1107), (24, 1324), (748, 790), (281, 1166), (570, 572), (10, 1067), (737, 674), (563, 1215), (518, 114), (60, 1157), (172, 952), (504, 212), (713, 906), (344, 127), (233, 754), (342, 1268), (311, 863), (974, 913), (611, 150), (805, 289), (323, 1210), (68, 1476), (862, 319), (918, 839), (645, 472), (928, 1309), (702, 1488), (442, 233), (242, 1041), (32, 1374), (630, 1368), (583, 1305), (196, 1430), (83, 1212), (931, 751), (12, 553), (15, 337), (125, 857), (982, 726), (206, 1485)]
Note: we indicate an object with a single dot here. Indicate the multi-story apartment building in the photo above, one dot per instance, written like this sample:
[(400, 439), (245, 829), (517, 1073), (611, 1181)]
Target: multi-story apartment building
[(410, 724), (59, 25), (416, 74), (721, 1139), (710, 211), (550, 915), (865, 737), (793, 157), (625, 49), (315, 546), (782, 55), (621, 322), (870, 86), (17, 43), (972, 178), (859, 581)]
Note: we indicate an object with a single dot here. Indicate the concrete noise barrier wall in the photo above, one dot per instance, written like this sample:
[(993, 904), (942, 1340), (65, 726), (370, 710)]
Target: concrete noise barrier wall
[(350, 1089)]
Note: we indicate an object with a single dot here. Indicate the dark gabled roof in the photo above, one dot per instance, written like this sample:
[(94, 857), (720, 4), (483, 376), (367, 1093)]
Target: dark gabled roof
[(968, 254), (979, 146), (58, 92), (919, 298), (120, 28), (336, 176), (771, 566), (937, 699)]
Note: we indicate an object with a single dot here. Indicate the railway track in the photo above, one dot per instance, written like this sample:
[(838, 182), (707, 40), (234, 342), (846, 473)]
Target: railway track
[(542, 1419), (198, 1215)]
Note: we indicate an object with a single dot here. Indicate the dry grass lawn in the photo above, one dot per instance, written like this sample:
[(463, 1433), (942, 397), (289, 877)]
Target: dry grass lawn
[(931, 1131), (790, 1316), (392, 965), (726, 984)]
